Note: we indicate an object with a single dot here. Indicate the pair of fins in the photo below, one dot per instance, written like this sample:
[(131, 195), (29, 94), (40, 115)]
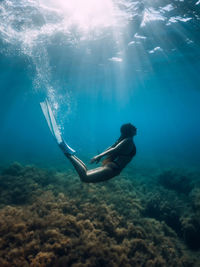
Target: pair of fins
[(48, 114)]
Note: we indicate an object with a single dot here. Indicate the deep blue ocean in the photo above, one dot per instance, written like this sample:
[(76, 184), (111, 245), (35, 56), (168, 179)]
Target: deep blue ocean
[(144, 71), (101, 64)]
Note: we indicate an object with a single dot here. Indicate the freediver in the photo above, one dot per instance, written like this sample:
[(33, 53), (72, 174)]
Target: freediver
[(117, 157)]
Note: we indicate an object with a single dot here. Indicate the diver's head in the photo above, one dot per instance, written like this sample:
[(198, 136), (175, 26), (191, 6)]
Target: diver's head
[(128, 130)]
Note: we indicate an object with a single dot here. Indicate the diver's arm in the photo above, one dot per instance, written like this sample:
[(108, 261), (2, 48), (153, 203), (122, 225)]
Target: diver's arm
[(110, 151), (107, 149), (97, 158), (111, 146)]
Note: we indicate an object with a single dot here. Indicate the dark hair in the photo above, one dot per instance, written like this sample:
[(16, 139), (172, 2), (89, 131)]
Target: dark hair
[(127, 130)]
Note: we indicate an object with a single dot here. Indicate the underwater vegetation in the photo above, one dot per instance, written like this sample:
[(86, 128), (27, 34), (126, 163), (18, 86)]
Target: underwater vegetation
[(52, 219), (176, 182)]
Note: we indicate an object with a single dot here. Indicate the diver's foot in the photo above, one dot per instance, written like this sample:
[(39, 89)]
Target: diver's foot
[(67, 150)]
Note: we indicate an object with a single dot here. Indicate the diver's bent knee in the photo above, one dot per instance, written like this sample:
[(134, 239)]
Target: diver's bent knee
[(88, 179), (85, 179)]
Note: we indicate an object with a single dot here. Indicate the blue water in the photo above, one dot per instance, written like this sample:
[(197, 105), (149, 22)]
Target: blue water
[(143, 69)]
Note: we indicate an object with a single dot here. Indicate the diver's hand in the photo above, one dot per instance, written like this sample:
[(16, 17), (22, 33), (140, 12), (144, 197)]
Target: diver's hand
[(95, 159)]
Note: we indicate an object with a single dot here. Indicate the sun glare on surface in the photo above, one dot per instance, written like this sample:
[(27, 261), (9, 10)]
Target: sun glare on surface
[(89, 14)]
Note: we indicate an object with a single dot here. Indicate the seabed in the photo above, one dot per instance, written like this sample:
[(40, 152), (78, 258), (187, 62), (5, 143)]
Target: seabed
[(140, 218)]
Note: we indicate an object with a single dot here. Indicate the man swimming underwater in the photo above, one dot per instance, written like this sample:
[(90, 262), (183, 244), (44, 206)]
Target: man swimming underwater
[(117, 156)]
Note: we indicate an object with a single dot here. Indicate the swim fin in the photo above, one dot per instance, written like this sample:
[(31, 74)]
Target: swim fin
[(48, 114)]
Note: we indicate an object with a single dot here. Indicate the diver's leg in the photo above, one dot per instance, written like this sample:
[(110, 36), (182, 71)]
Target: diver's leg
[(93, 176), (80, 162), (98, 175), (78, 165)]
